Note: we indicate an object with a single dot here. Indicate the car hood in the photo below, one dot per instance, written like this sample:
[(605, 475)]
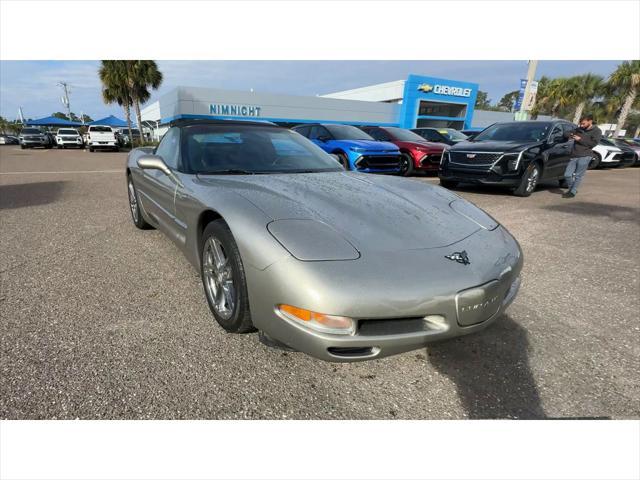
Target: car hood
[(370, 145), (425, 144), (492, 146), (374, 213)]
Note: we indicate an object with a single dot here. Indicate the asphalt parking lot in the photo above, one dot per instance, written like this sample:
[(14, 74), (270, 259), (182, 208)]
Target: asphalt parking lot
[(101, 320)]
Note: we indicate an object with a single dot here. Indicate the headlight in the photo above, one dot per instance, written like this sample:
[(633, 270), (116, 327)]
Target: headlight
[(319, 321), (513, 160)]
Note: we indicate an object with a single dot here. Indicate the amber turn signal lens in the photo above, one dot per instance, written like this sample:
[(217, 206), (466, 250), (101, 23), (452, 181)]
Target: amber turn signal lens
[(319, 321)]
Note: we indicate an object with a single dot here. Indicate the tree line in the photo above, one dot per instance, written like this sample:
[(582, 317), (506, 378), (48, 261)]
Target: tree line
[(615, 99)]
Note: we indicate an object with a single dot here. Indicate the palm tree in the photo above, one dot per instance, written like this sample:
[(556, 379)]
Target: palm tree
[(115, 88), (553, 95), (142, 75), (626, 80), (584, 88), (558, 94)]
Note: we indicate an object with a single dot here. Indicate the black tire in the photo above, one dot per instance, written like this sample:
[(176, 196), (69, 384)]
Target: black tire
[(595, 161), (563, 183), (448, 183), (116, 149), (22, 147), (239, 320), (529, 180), (406, 165), (136, 212), (344, 160), (90, 149)]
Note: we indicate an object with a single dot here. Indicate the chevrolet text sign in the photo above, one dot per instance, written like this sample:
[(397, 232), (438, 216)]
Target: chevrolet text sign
[(445, 90), (234, 110)]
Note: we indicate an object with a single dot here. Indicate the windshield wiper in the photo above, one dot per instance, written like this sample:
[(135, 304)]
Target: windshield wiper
[(228, 171)]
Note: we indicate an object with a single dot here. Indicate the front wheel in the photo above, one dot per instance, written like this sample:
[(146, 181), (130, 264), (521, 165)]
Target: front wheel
[(223, 277), (529, 181), (344, 160), (134, 206), (595, 161), (406, 165)]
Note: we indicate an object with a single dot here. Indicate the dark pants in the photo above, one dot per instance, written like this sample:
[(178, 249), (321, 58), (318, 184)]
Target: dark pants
[(575, 171)]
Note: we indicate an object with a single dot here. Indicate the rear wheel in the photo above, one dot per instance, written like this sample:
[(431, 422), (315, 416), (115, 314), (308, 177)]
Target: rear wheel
[(223, 277), (90, 149), (406, 165), (529, 181), (595, 161)]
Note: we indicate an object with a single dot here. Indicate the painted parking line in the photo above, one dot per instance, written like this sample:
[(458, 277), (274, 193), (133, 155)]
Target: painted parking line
[(62, 172)]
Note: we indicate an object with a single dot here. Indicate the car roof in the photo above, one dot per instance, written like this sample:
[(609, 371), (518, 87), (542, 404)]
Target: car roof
[(186, 122)]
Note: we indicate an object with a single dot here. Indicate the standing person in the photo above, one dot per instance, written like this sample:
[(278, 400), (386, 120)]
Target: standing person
[(585, 137)]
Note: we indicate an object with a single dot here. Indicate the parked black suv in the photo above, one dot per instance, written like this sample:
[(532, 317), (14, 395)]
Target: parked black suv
[(515, 154)]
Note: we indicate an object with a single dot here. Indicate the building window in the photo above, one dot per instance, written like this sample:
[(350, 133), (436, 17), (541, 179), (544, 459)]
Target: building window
[(439, 109)]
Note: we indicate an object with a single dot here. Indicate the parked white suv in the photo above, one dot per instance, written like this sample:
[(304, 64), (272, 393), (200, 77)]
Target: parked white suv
[(68, 137), (101, 136)]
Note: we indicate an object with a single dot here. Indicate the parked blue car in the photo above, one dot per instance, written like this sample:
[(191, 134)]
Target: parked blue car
[(355, 149)]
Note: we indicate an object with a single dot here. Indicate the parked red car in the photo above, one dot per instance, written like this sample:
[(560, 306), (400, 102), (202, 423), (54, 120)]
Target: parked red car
[(417, 153)]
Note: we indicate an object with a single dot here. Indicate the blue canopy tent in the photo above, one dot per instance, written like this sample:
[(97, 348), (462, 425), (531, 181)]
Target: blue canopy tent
[(53, 122), (110, 121)]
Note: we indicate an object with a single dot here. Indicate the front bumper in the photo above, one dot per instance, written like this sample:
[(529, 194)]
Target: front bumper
[(401, 300), (368, 162), (70, 143), (34, 143)]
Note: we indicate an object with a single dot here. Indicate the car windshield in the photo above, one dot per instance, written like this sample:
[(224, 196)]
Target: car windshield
[(31, 131), (404, 135), (237, 149), (347, 132), (515, 132), (100, 129), (452, 134), (606, 142), (67, 132)]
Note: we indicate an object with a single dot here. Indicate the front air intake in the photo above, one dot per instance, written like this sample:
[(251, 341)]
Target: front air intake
[(349, 352)]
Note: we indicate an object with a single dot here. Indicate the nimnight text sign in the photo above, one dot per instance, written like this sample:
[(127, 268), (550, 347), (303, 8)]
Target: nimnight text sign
[(230, 110)]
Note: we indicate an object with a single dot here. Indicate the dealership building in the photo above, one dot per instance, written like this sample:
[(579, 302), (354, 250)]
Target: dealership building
[(417, 101)]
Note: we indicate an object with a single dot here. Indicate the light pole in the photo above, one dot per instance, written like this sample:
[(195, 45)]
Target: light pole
[(65, 98)]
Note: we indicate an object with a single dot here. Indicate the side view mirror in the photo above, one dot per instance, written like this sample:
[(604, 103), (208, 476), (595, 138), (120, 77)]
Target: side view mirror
[(153, 162)]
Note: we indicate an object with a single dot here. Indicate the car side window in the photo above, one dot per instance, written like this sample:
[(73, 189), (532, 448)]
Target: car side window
[(432, 136), (169, 148), (304, 131), (556, 133), (379, 134), (318, 131), (567, 129)]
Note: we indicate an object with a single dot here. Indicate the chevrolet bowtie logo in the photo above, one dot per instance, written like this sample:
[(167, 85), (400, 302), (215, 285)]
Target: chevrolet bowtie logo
[(460, 257), (425, 87)]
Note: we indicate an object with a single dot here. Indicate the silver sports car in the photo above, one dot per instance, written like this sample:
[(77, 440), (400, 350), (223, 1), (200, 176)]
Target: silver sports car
[(340, 265)]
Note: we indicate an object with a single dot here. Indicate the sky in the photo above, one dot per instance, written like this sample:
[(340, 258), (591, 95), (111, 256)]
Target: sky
[(32, 85)]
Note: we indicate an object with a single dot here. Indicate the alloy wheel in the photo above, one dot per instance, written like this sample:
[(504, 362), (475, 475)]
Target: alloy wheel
[(133, 201), (532, 180), (218, 278)]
